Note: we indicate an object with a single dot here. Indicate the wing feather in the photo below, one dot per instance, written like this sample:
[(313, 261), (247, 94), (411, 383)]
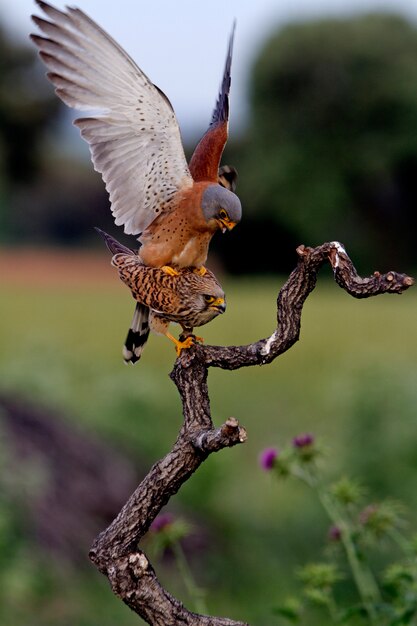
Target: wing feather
[(133, 134), (205, 162)]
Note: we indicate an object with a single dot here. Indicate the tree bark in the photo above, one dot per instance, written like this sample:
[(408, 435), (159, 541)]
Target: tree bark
[(115, 551)]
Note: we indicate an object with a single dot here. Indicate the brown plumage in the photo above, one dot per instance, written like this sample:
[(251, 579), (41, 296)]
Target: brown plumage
[(187, 298), (135, 142)]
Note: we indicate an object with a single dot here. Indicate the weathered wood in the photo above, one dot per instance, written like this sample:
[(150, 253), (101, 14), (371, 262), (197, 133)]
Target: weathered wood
[(115, 551)]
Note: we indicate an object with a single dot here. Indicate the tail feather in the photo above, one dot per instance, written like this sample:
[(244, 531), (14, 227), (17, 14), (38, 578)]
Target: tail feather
[(113, 245), (138, 334)]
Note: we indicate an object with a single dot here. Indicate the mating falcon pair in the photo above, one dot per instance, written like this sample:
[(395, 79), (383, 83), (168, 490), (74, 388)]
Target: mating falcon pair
[(135, 144)]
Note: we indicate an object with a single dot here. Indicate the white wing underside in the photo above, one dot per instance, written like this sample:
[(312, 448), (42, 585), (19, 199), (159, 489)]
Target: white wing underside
[(134, 139)]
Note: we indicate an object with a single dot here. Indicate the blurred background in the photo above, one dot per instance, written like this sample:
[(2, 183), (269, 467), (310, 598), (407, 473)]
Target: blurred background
[(323, 134)]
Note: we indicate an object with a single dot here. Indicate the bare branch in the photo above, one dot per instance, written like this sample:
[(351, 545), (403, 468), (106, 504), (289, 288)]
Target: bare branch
[(291, 298), (133, 579), (115, 551)]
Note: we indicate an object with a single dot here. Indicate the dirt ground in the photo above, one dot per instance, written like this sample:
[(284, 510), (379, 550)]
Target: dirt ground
[(55, 267)]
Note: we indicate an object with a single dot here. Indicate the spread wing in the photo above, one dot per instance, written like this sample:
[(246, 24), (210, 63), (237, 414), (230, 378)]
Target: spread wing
[(134, 138), (204, 164)]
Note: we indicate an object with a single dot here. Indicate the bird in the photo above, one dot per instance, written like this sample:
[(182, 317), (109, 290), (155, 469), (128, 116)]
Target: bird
[(173, 208), (187, 298)]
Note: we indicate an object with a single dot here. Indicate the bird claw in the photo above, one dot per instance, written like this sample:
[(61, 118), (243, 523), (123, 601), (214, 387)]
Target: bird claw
[(183, 345), (187, 334), (201, 271), (169, 270)]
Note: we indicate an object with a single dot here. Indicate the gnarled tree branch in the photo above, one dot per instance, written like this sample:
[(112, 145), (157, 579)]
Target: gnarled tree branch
[(115, 551)]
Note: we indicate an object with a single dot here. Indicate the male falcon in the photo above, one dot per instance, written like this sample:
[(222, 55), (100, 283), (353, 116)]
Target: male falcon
[(135, 142)]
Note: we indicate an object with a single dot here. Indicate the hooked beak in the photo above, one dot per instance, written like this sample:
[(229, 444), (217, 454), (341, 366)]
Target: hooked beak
[(225, 224), (219, 304)]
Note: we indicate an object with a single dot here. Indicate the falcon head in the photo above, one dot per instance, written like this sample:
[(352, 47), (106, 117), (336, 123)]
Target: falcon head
[(202, 300), (221, 207), (208, 293), (216, 303)]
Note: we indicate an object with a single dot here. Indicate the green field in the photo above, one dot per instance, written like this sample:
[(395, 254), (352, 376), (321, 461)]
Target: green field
[(351, 380)]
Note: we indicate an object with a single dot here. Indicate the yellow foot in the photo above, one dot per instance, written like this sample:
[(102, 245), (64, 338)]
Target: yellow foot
[(201, 271), (187, 334), (181, 345), (169, 270)]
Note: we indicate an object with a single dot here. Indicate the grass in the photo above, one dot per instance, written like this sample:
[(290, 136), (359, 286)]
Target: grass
[(351, 380)]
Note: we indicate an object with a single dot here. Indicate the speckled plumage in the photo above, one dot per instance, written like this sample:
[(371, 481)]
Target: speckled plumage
[(135, 141), (187, 298), (174, 298)]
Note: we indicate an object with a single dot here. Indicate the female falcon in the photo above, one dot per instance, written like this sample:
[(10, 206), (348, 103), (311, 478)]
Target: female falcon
[(187, 298)]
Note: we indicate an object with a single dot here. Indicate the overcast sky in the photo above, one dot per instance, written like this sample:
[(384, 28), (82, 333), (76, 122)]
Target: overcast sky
[(182, 45)]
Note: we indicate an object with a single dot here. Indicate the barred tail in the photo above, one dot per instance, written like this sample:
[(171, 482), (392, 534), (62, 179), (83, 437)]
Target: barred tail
[(138, 335)]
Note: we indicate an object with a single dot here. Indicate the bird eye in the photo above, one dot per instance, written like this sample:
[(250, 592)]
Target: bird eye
[(209, 299), (223, 214)]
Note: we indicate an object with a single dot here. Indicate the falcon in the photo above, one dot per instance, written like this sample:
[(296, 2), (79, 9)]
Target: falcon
[(187, 298), (135, 142)]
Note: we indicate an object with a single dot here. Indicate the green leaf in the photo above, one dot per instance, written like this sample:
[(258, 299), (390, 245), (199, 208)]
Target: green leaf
[(319, 575), (405, 618), (352, 611), (290, 610)]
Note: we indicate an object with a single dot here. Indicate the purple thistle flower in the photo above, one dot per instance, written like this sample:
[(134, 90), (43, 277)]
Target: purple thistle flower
[(302, 441), (267, 458), (161, 522), (334, 533)]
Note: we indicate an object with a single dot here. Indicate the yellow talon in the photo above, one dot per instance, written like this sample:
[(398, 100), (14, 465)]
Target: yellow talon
[(186, 334), (201, 271), (181, 345), (169, 270)]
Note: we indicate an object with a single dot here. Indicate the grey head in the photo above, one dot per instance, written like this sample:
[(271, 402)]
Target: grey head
[(221, 206)]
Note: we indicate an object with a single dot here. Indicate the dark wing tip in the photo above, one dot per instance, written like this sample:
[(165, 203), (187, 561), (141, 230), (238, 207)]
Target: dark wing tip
[(221, 110), (49, 10), (42, 5), (37, 39)]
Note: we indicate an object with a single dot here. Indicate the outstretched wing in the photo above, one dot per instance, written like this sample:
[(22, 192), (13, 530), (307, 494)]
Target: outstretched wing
[(204, 164), (134, 138)]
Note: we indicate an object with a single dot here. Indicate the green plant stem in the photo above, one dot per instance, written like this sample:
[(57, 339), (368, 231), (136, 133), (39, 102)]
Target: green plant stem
[(195, 593), (365, 582), (332, 608), (401, 542), (406, 547)]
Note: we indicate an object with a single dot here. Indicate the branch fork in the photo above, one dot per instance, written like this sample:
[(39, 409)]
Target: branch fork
[(115, 551)]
